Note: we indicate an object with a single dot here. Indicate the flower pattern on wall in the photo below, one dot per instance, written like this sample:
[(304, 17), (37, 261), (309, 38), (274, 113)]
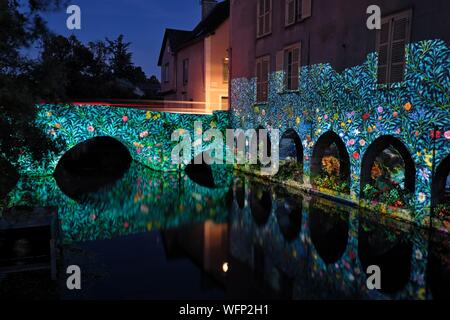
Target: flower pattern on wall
[(146, 134), (355, 107)]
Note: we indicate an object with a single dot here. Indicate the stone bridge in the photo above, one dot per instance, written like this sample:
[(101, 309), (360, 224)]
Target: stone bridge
[(349, 116), (145, 133)]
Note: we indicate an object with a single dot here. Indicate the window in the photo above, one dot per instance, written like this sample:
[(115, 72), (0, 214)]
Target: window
[(224, 103), (226, 70), (185, 71), (264, 15), (262, 78), (391, 43), (291, 58), (166, 74), (297, 10)]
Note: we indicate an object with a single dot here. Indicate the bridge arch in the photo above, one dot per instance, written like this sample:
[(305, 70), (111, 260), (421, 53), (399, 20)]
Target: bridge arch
[(330, 163), (91, 165), (291, 156), (387, 164), (441, 183), (200, 172)]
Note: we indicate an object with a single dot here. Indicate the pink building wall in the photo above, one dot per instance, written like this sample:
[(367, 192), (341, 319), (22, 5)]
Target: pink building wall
[(206, 87)]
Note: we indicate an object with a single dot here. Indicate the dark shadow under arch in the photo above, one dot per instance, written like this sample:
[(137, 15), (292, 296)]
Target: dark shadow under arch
[(329, 232), (375, 149), (388, 249), (91, 165), (291, 157), (200, 173), (260, 203), (322, 146), (440, 194)]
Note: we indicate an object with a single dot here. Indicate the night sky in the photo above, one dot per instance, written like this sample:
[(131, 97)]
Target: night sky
[(142, 22)]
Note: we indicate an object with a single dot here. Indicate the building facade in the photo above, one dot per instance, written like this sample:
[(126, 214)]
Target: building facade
[(194, 64), (367, 110)]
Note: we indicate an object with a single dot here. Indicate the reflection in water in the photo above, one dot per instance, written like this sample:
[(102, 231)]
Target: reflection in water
[(289, 216), (240, 193), (329, 229), (260, 203), (156, 235), (388, 249)]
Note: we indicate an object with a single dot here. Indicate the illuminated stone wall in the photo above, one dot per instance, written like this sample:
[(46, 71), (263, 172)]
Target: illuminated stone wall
[(355, 107)]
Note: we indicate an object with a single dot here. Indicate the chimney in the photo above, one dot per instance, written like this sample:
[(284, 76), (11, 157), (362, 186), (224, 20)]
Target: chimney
[(207, 6)]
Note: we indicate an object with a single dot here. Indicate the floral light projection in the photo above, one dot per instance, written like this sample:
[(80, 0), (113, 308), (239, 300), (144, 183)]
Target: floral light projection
[(388, 180), (291, 158), (146, 134), (141, 201), (353, 106)]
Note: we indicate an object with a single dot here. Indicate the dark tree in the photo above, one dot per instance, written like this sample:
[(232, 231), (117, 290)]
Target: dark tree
[(19, 88)]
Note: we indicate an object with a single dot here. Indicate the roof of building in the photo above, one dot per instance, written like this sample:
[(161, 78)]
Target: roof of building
[(181, 38)]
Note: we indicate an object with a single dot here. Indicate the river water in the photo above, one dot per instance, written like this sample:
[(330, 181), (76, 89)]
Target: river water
[(150, 235)]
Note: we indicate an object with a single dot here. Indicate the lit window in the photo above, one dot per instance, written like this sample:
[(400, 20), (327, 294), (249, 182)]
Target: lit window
[(226, 70)]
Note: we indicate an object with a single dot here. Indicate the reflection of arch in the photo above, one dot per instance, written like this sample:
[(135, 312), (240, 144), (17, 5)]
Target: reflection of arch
[(240, 193), (439, 192), (91, 165), (260, 203), (326, 142), (375, 149), (382, 247), (297, 153), (329, 232), (289, 216), (200, 173)]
